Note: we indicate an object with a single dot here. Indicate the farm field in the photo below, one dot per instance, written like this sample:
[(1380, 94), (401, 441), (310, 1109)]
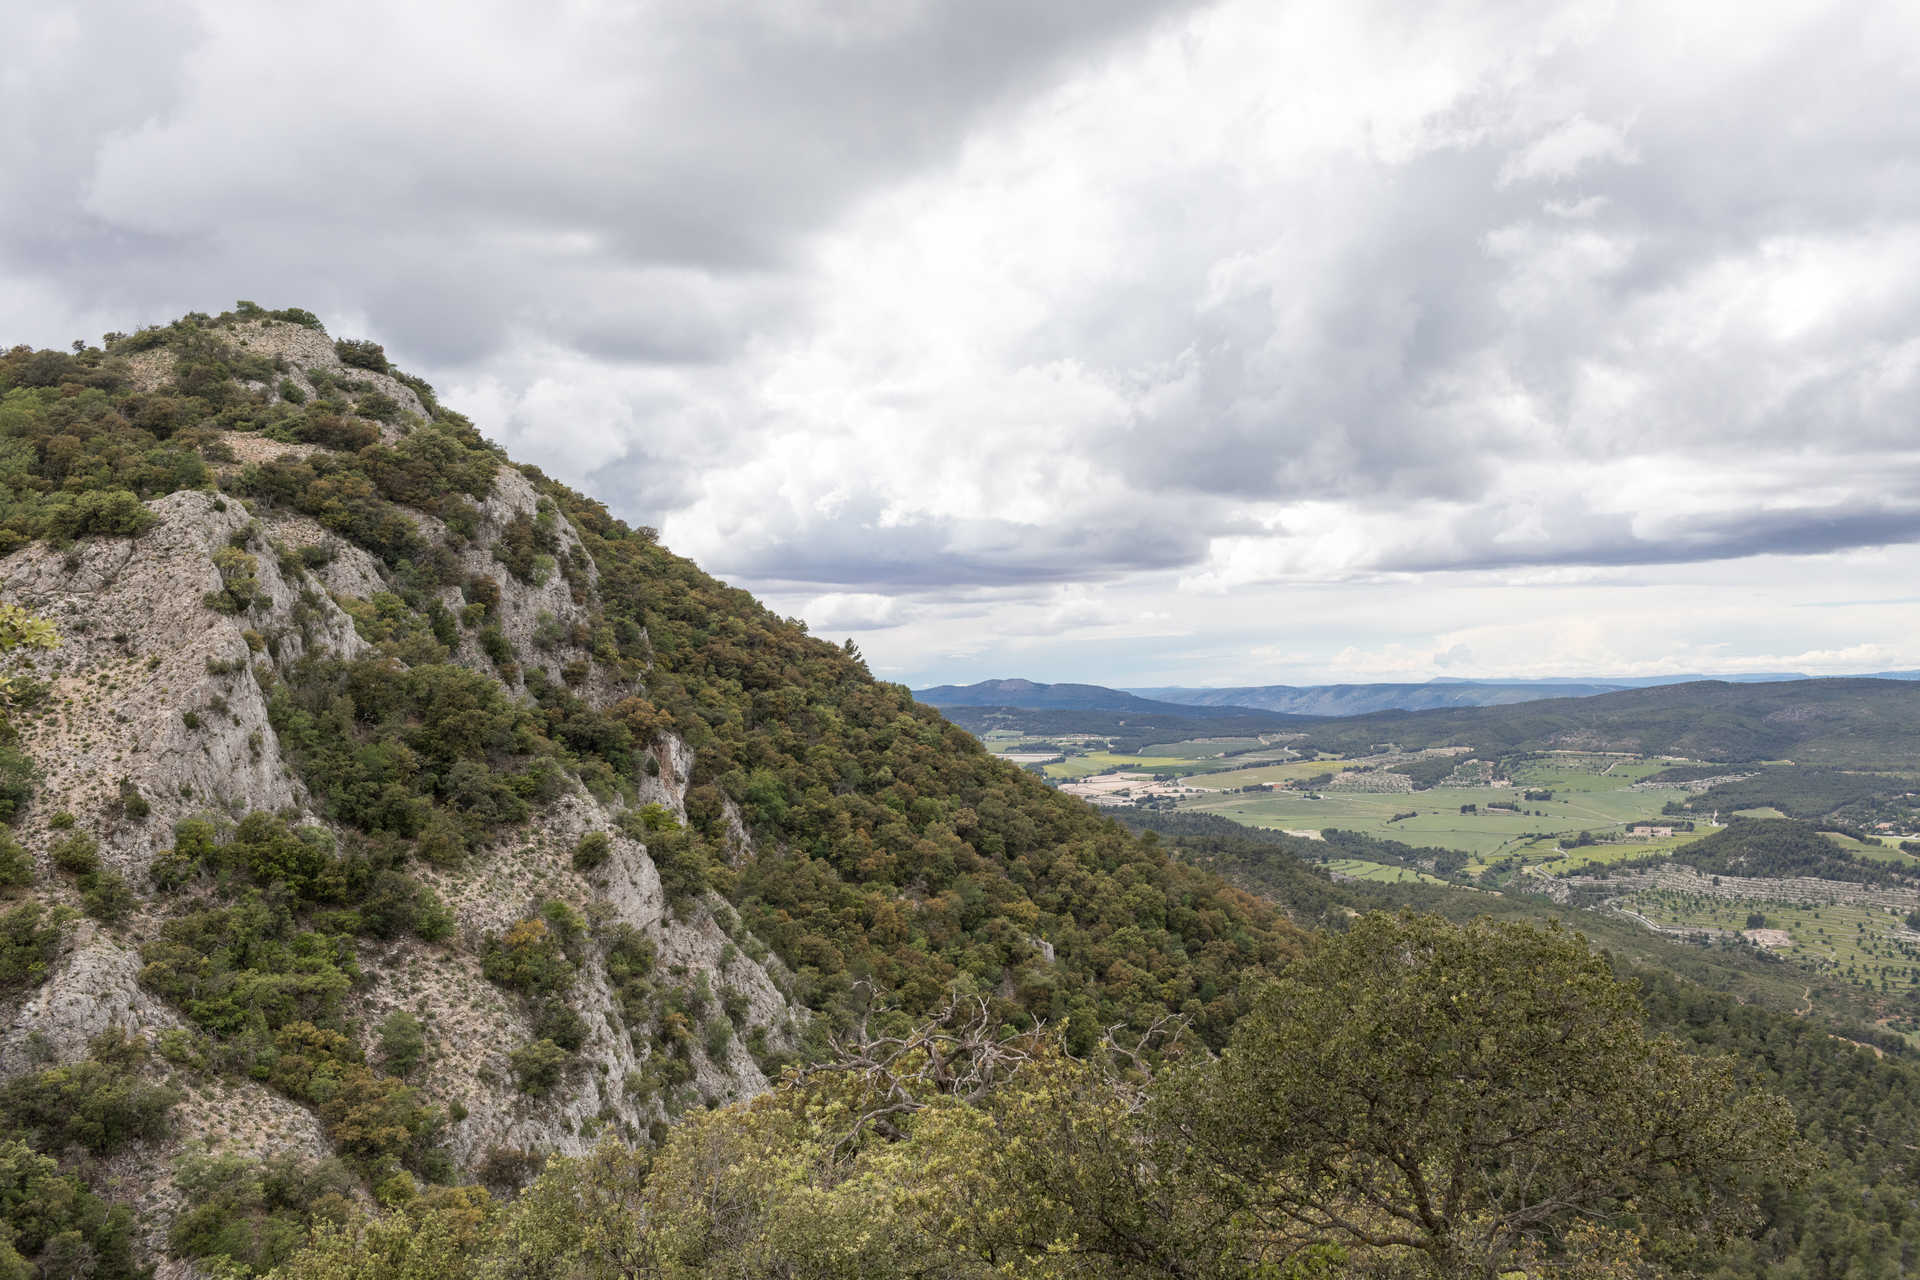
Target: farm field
[(1879, 850), (1857, 944), (1073, 768), (1173, 758), (1590, 794), (1378, 871), (1275, 774), (1600, 855), (1204, 748)]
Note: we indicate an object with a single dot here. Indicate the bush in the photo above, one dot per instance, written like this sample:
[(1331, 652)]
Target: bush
[(403, 1042), (482, 591), (362, 354), (681, 858), (16, 781), (526, 547), (507, 1169), (132, 803), (529, 958), (29, 938), (381, 742), (106, 896), (539, 1066), (103, 512), (300, 316), (333, 431), (719, 1036), (257, 1212), (99, 1104), (51, 1219), (555, 1020), (592, 852), (77, 855), (494, 643), (16, 864), (379, 406), (239, 582)]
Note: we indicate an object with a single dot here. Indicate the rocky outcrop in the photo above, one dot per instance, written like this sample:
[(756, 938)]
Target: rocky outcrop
[(305, 352), (156, 710), (153, 688)]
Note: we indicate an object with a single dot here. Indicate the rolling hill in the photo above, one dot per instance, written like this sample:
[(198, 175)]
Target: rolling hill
[(1361, 699), (1030, 696), (1863, 722)]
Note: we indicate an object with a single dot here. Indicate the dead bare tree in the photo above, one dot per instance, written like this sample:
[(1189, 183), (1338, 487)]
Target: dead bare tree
[(959, 1052), (964, 1052)]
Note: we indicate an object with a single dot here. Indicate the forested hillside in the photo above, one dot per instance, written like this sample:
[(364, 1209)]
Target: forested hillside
[(404, 805)]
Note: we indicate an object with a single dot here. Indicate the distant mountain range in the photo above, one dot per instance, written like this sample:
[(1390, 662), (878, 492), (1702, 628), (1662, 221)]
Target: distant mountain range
[(1860, 721), (1025, 706), (1855, 722), (1030, 696), (1362, 699), (1329, 700)]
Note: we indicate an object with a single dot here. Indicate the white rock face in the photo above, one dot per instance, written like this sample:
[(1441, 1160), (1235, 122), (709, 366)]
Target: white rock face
[(152, 686), (308, 351), (93, 989), (155, 688)]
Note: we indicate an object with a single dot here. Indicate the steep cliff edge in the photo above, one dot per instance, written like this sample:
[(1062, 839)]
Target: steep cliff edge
[(388, 804)]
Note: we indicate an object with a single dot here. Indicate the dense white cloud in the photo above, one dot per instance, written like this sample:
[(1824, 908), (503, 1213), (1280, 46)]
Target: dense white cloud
[(1138, 342)]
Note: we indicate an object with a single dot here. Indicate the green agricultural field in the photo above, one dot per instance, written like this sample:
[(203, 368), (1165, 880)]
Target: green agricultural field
[(1764, 811), (1855, 944), (1590, 794), (1878, 850), (1274, 774), (1084, 766), (1205, 748), (1579, 771), (1362, 870), (1166, 759), (1600, 855)]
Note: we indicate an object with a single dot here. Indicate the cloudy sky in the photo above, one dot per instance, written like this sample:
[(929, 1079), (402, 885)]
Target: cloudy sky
[(1130, 341)]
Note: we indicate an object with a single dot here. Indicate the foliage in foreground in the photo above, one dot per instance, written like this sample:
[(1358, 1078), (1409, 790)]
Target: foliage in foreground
[(1414, 1099), (1854, 1087)]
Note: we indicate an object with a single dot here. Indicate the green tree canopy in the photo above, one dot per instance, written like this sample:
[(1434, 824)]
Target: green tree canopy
[(1455, 1100)]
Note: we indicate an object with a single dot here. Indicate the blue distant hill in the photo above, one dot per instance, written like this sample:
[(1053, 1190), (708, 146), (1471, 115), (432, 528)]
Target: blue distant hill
[(1031, 696), (1324, 700), (1363, 699), (1449, 691)]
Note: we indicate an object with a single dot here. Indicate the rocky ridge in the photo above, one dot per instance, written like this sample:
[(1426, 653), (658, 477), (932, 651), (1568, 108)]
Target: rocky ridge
[(158, 695)]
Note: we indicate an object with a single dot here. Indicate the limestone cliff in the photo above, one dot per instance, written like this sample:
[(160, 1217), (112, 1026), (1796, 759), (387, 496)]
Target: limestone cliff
[(155, 710)]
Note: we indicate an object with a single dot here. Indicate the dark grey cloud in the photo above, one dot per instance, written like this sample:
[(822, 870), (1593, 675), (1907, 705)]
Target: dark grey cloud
[(466, 175), (1371, 364), (1606, 541), (1213, 264), (931, 554)]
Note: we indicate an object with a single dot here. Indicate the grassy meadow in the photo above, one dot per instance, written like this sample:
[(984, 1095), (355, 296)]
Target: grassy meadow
[(1590, 793)]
